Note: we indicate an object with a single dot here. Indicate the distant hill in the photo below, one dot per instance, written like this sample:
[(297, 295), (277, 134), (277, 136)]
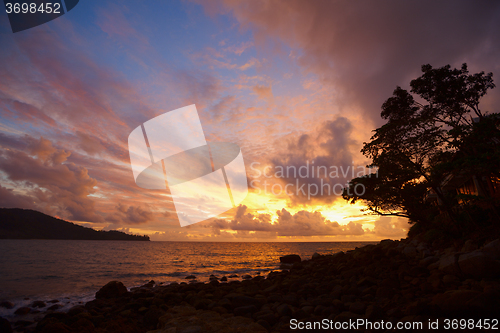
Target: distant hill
[(18, 223)]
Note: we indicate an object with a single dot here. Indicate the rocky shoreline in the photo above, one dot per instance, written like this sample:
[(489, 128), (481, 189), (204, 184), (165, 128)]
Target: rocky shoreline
[(394, 281)]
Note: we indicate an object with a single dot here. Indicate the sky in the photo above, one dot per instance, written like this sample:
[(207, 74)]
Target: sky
[(292, 83)]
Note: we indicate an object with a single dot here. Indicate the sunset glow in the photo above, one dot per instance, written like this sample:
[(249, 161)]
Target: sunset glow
[(289, 92)]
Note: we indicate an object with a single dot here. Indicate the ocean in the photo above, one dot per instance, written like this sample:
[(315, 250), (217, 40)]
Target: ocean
[(71, 271)]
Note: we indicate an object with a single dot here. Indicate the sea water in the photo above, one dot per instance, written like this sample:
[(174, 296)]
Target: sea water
[(71, 271)]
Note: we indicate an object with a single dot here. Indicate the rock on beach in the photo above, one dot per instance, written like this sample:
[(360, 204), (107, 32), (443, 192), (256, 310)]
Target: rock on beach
[(393, 280)]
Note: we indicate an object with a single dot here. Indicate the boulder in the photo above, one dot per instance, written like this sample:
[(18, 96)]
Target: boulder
[(112, 289), (357, 307), (54, 307), (410, 251), (316, 255), (451, 279), (38, 304), (284, 310), (448, 264), (486, 304), (469, 246), (374, 312), (454, 302), (148, 285), (76, 310), (24, 310), (428, 261), (7, 305), (240, 300), (290, 259), (479, 264), (52, 325), (243, 310), (492, 249), (5, 326)]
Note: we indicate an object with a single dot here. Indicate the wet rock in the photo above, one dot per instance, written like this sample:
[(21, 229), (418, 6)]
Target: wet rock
[(428, 260), (290, 299), (385, 292), (308, 309), (151, 317), (448, 264), (284, 310), (186, 319), (264, 324), (424, 249), (346, 316), (469, 246), (454, 302), (77, 309), (492, 249), (479, 264), (450, 279), (316, 255), (318, 310), (290, 259), (38, 304), (268, 317), (410, 251), (202, 303), (275, 298), (24, 310), (247, 277), (244, 310), (7, 305), (5, 326), (192, 329), (54, 307), (485, 304), (374, 311), (190, 277), (240, 300), (223, 279), (357, 307), (148, 285), (113, 289), (52, 325), (348, 298)]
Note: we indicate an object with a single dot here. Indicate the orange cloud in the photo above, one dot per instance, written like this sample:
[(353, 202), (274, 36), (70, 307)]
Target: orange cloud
[(56, 186), (302, 224)]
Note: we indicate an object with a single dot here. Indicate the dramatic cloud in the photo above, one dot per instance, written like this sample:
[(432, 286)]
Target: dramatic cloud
[(90, 144), (303, 223), (130, 215), (57, 186), (312, 168), (9, 199), (365, 48), (296, 84)]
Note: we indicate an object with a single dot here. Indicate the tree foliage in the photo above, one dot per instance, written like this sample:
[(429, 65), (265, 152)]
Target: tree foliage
[(431, 131)]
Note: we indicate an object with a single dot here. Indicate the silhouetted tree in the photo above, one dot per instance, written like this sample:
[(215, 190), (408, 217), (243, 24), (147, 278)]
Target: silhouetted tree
[(417, 146)]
